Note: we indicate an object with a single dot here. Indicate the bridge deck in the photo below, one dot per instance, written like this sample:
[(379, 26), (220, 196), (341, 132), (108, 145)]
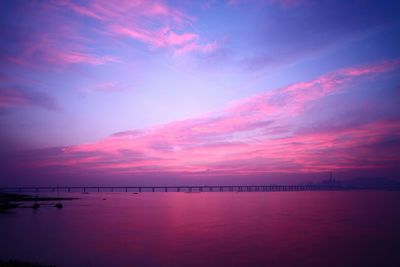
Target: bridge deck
[(203, 188)]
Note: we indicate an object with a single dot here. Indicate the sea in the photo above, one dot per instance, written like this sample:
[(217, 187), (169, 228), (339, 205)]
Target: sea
[(310, 228)]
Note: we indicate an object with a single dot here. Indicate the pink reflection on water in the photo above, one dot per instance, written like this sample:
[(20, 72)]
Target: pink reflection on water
[(210, 229)]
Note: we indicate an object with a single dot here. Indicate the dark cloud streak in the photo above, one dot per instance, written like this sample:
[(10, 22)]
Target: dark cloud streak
[(11, 98)]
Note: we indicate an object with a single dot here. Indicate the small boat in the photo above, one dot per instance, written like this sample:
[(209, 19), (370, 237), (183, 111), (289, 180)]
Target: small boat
[(36, 205), (58, 205)]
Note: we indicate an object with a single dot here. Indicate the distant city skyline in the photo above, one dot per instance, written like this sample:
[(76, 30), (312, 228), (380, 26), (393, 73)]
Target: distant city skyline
[(198, 92)]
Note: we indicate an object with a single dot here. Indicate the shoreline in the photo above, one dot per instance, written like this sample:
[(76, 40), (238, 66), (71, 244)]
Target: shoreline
[(14, 197), (17, 263)]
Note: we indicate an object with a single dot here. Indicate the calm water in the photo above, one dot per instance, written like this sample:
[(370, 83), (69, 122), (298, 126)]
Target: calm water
[(359, 228)]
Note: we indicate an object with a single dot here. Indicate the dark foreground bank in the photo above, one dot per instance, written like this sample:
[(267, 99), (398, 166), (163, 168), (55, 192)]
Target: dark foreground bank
[(22, 197), (15, 263)]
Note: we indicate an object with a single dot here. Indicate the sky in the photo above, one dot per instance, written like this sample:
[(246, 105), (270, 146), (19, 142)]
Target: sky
[(198, 92)]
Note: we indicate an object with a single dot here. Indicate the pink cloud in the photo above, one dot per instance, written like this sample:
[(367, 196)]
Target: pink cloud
[(372, 69), (181, 44), (161, 38), (125, 10), (180, 39), (256, 135), (61, 44), (60, 54), (11, 98), (141, 35), (77, 57), (290, 100), (82, 10), (64, 42), (136, 20)]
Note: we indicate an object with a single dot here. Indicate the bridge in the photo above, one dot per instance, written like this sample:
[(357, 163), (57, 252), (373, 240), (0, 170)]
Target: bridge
[(178, 188)]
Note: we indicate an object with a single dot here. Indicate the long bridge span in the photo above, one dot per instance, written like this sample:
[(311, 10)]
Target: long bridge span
[(178, 188)]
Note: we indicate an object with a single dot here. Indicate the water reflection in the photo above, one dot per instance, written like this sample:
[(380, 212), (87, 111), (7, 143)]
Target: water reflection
[(209, 229)]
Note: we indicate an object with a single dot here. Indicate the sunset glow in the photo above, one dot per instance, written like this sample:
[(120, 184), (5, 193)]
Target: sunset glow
[(198, 89)]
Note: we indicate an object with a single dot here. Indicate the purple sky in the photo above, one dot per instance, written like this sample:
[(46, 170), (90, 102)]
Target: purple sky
[(139, 91)]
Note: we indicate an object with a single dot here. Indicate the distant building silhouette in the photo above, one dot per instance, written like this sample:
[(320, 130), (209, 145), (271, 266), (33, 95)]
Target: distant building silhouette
[(331, 181)]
